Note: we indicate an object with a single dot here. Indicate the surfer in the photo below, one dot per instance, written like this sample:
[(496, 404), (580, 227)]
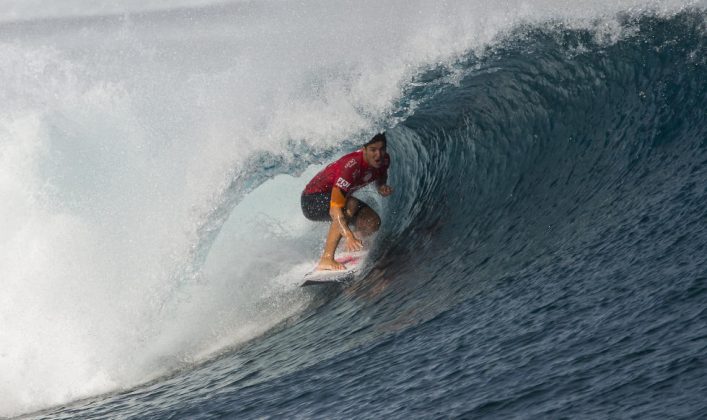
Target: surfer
[(328, 197)]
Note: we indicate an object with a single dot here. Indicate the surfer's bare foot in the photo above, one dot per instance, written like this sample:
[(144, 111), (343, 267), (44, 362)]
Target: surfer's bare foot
[(330, 264)]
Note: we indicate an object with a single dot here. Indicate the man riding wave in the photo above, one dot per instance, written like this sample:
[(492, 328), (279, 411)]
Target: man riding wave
[(328, 197)]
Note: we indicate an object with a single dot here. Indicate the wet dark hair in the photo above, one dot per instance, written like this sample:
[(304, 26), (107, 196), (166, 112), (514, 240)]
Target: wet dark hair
[(378, 137)]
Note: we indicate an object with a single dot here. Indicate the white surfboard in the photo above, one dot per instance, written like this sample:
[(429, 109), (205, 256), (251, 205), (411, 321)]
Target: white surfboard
[(353, 262)]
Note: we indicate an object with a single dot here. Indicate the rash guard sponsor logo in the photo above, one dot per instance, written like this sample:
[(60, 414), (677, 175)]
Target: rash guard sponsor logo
[(343, 184)]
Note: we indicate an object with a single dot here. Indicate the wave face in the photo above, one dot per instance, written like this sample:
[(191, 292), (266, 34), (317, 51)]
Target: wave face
[(543, 254)]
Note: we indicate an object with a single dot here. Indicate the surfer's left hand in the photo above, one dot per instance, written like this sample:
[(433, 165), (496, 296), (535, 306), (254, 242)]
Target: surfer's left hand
[(385, 190)]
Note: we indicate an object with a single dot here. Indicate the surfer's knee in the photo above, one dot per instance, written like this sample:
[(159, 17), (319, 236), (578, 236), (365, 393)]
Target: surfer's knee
[(351, 208), (348, 214), (368, 220), (375, 221)]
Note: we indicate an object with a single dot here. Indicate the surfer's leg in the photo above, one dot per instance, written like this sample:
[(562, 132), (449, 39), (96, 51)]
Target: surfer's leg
[(327, 261), (353, 204), (367, 221), (364, 219)]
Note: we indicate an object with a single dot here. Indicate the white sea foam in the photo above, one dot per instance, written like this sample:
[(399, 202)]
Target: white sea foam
[(120, 136)]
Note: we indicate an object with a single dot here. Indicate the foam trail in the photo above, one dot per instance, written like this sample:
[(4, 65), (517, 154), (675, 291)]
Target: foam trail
[(123, 132)]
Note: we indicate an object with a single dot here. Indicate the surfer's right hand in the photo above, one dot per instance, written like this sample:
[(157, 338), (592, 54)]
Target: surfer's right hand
[(353, 244)]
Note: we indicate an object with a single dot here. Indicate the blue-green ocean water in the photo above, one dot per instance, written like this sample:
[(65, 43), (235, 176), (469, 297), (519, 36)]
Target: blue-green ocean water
[(544, 255)]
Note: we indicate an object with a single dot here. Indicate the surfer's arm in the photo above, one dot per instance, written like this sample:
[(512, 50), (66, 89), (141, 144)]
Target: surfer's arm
[(336, 212), (383, 188), (382, 180), (382, 183), (338, 218)]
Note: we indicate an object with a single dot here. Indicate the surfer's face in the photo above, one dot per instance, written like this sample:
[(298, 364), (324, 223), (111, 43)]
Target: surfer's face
[(374, 153)]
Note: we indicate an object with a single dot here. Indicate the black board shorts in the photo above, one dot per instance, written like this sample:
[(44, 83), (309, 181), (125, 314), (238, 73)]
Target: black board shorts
[(315, 206)]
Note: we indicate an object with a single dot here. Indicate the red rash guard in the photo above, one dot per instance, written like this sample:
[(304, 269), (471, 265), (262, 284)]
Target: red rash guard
[(349, 173)]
